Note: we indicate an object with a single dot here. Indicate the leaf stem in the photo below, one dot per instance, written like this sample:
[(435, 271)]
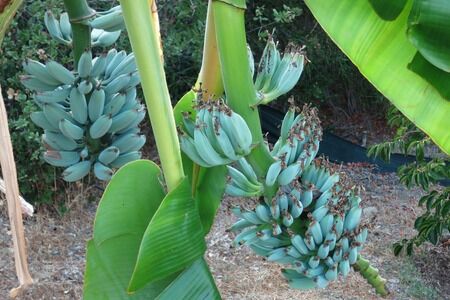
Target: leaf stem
[(146, 50), (237, 78)]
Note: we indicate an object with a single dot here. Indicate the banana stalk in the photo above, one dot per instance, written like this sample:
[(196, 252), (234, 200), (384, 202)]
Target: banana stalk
[(144, 42), (372, 276), (79, 13), (237, 78)]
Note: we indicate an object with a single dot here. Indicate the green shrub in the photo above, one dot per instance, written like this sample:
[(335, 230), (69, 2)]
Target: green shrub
[(423, 173)]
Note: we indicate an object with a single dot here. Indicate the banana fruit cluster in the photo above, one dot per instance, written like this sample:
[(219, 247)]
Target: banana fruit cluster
[(296, 148), (90, 117), (107, 27), (217, 136), (276, 74), (312, 224)]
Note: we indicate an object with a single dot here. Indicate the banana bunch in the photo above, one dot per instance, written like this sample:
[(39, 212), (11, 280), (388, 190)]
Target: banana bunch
[(218, 136), (296, 148), (110, 20), (90, 117), (61, 30), (312, 226), (277, 75)]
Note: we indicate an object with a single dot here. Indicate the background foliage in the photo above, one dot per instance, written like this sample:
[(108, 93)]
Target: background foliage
[(423, 173), (331, 79)]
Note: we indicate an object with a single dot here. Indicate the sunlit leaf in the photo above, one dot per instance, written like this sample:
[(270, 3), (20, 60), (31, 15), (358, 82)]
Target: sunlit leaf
[(382, 52)]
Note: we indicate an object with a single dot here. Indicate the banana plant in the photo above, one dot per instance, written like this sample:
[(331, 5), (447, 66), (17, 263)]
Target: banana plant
[(149, 231), (402, 48)]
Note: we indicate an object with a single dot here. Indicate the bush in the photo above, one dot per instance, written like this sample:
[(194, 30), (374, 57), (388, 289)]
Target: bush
[(424, 173)]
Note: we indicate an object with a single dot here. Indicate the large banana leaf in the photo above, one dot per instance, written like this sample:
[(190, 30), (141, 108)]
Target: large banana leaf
[(382, 52), (134, 207)]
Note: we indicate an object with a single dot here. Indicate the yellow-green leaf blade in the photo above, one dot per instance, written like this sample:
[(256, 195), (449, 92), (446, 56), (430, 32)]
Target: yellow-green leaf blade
[(382, 52)]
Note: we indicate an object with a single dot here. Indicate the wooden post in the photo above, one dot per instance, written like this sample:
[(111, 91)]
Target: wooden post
[(14, 207)]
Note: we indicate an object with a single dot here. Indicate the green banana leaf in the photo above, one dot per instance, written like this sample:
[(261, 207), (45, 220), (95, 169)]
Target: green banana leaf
[(381, 50), (132, 202), (211, 181), (173, 239), (195, 282)]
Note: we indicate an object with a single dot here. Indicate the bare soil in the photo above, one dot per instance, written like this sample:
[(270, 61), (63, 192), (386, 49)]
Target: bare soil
[(56, 249)]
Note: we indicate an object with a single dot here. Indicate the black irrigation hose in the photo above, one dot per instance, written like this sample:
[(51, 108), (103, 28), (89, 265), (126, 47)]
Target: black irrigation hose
[(335, 148)]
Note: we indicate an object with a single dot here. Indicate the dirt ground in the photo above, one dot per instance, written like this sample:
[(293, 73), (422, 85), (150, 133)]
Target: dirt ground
[(56, 248)]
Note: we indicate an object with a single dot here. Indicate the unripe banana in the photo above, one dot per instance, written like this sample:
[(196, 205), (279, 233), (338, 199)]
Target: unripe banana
[(112, 21), (289, 174), (115, 105), (59, 72), (101, 126), (96, 104), (273, 172), (206, 150), (263, 213), (238, 192), (344, 267), (78, 106), (238, 132), (286, 124), (127, 65), (53, 28), (127, 142), (77, 171), (114, 63), (247, 169), (242, 181), (39, 70), (352, 218), (61, 158), (102, 172), (85, 64), (108, 155), (71, 130), (35, 84), (107, 38), (302, 283), (123, 120), (319, 213), (54, 96), (299, 244), (65, 26), (99, 67), (55, 113), (38, 118), (58, 141), (187, 145), (126, 158), (85, 87), (117, 84)]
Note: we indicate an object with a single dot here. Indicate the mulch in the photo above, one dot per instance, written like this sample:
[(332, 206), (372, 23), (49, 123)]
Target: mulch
[(56, 249)]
